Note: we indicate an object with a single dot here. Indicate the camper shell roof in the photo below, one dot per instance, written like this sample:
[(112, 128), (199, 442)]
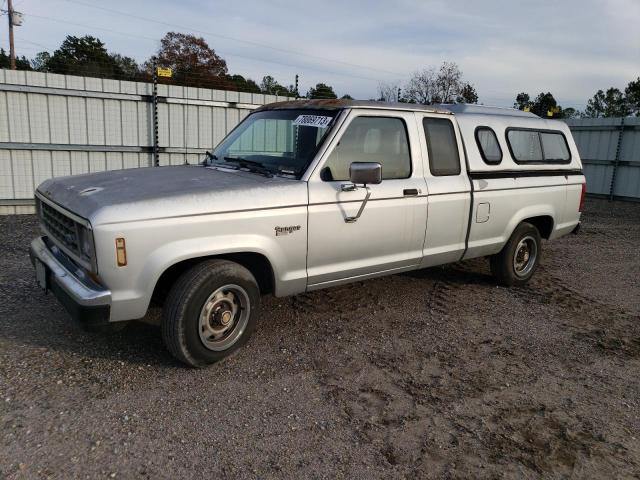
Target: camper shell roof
[(342, 104)]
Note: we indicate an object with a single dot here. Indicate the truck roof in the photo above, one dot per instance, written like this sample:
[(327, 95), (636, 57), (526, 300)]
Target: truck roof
[(341, 104)]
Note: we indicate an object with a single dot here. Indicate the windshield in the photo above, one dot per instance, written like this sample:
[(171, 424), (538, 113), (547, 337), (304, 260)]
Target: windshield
[(275, 142)]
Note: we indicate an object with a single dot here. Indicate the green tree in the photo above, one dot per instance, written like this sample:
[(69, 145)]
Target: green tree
[(611, 103), (467, 94), (321, 90), (127, 66), (523, 101), (21, 62), (238, 82), (270, 85), (544, 105), (570, 112), (632, 94), (40, 62), (83, 56), (346, 96)]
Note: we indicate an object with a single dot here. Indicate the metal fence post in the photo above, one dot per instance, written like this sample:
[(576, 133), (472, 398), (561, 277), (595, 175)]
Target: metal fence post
[(156, 159), (616, 161)]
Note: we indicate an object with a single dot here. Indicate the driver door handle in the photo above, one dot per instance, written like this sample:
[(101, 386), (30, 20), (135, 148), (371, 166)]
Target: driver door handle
[(410, 192)]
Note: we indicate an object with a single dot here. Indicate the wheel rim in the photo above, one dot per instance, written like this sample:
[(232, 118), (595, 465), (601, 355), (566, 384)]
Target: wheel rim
[(223, 317), (525, 256)]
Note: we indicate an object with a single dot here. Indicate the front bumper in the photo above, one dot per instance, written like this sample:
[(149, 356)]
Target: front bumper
[(85, 300)]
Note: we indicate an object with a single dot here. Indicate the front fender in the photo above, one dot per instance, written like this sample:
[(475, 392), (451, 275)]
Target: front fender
[(154, 246), (288, 277)]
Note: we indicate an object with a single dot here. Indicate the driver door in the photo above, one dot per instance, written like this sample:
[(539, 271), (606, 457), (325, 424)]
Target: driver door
[(389, 235)]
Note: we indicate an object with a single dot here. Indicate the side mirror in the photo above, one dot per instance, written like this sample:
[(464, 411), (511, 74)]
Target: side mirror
[(365, 173)]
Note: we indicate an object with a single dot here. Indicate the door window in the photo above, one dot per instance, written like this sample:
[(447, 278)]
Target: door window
[(371, 139), (441, 146)]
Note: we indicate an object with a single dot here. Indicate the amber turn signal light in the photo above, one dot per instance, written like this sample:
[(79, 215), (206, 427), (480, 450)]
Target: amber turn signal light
[(121, 252)]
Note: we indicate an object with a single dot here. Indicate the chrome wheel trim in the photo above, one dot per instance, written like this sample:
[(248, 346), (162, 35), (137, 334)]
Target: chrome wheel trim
[(525, 256), (224, 317)]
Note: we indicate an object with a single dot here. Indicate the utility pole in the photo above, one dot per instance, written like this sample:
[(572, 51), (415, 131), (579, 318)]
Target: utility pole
[(12, 50)]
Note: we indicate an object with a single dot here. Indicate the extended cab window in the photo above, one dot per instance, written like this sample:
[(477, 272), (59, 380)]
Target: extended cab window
[(441, 146), (538, 146), (488, 145), (371, 139)]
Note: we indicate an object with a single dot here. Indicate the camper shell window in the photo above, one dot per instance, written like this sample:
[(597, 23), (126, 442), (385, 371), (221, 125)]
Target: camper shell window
[(488, 145), (528, 145)]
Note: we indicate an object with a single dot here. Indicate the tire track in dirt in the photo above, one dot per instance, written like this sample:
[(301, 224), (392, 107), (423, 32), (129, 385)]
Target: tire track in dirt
[(605, 327), (549, 439), (625, 237), (390, 399), (393, 394)]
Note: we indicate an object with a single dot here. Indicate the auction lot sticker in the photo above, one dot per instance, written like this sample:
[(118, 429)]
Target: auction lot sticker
[(317, 121)]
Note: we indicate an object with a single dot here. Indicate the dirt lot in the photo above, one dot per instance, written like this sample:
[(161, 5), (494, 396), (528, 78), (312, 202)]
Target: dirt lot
[(433, 374)]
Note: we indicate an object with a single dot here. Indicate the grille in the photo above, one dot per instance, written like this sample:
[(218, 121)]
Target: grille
[(61, 227)]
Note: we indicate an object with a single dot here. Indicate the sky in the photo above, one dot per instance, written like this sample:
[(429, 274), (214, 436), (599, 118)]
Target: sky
[(570, 48)]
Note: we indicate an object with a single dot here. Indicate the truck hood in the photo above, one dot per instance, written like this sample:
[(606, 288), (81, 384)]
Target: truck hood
[(161, 192)]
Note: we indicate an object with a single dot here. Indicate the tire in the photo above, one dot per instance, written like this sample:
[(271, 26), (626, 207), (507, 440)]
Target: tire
[(210, 311), (518, 260)]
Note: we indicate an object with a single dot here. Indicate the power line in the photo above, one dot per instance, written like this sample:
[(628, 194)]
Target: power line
[(36, 43), (93, 27), (84, 25), (226, 37), (249, 42), (488, 99)]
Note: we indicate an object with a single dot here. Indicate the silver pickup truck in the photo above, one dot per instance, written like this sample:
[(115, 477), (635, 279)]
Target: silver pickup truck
[(304, 195)]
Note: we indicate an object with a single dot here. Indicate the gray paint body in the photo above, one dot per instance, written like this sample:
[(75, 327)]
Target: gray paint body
[(171, 214), (146, 193)]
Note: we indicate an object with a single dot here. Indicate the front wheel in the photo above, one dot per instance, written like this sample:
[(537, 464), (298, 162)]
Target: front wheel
[(520, 257), (211, 310)]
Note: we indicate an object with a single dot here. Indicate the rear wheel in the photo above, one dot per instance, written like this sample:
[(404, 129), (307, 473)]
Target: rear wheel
[(210, 311), (518, 260)]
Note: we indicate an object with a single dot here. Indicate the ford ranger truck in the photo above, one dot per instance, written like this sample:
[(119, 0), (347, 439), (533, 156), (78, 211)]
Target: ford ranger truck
[(304, 195)]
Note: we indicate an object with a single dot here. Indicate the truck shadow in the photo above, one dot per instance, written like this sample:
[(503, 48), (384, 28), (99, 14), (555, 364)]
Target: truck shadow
[(474, 271), (45, 325)]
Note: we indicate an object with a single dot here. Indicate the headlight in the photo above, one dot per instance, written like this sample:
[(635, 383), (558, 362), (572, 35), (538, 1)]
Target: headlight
[(85, 242)]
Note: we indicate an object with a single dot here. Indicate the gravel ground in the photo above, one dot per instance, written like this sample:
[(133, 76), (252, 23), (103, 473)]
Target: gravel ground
[(432, 374)]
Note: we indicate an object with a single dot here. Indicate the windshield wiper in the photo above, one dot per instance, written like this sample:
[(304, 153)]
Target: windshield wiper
[(250, 165)]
